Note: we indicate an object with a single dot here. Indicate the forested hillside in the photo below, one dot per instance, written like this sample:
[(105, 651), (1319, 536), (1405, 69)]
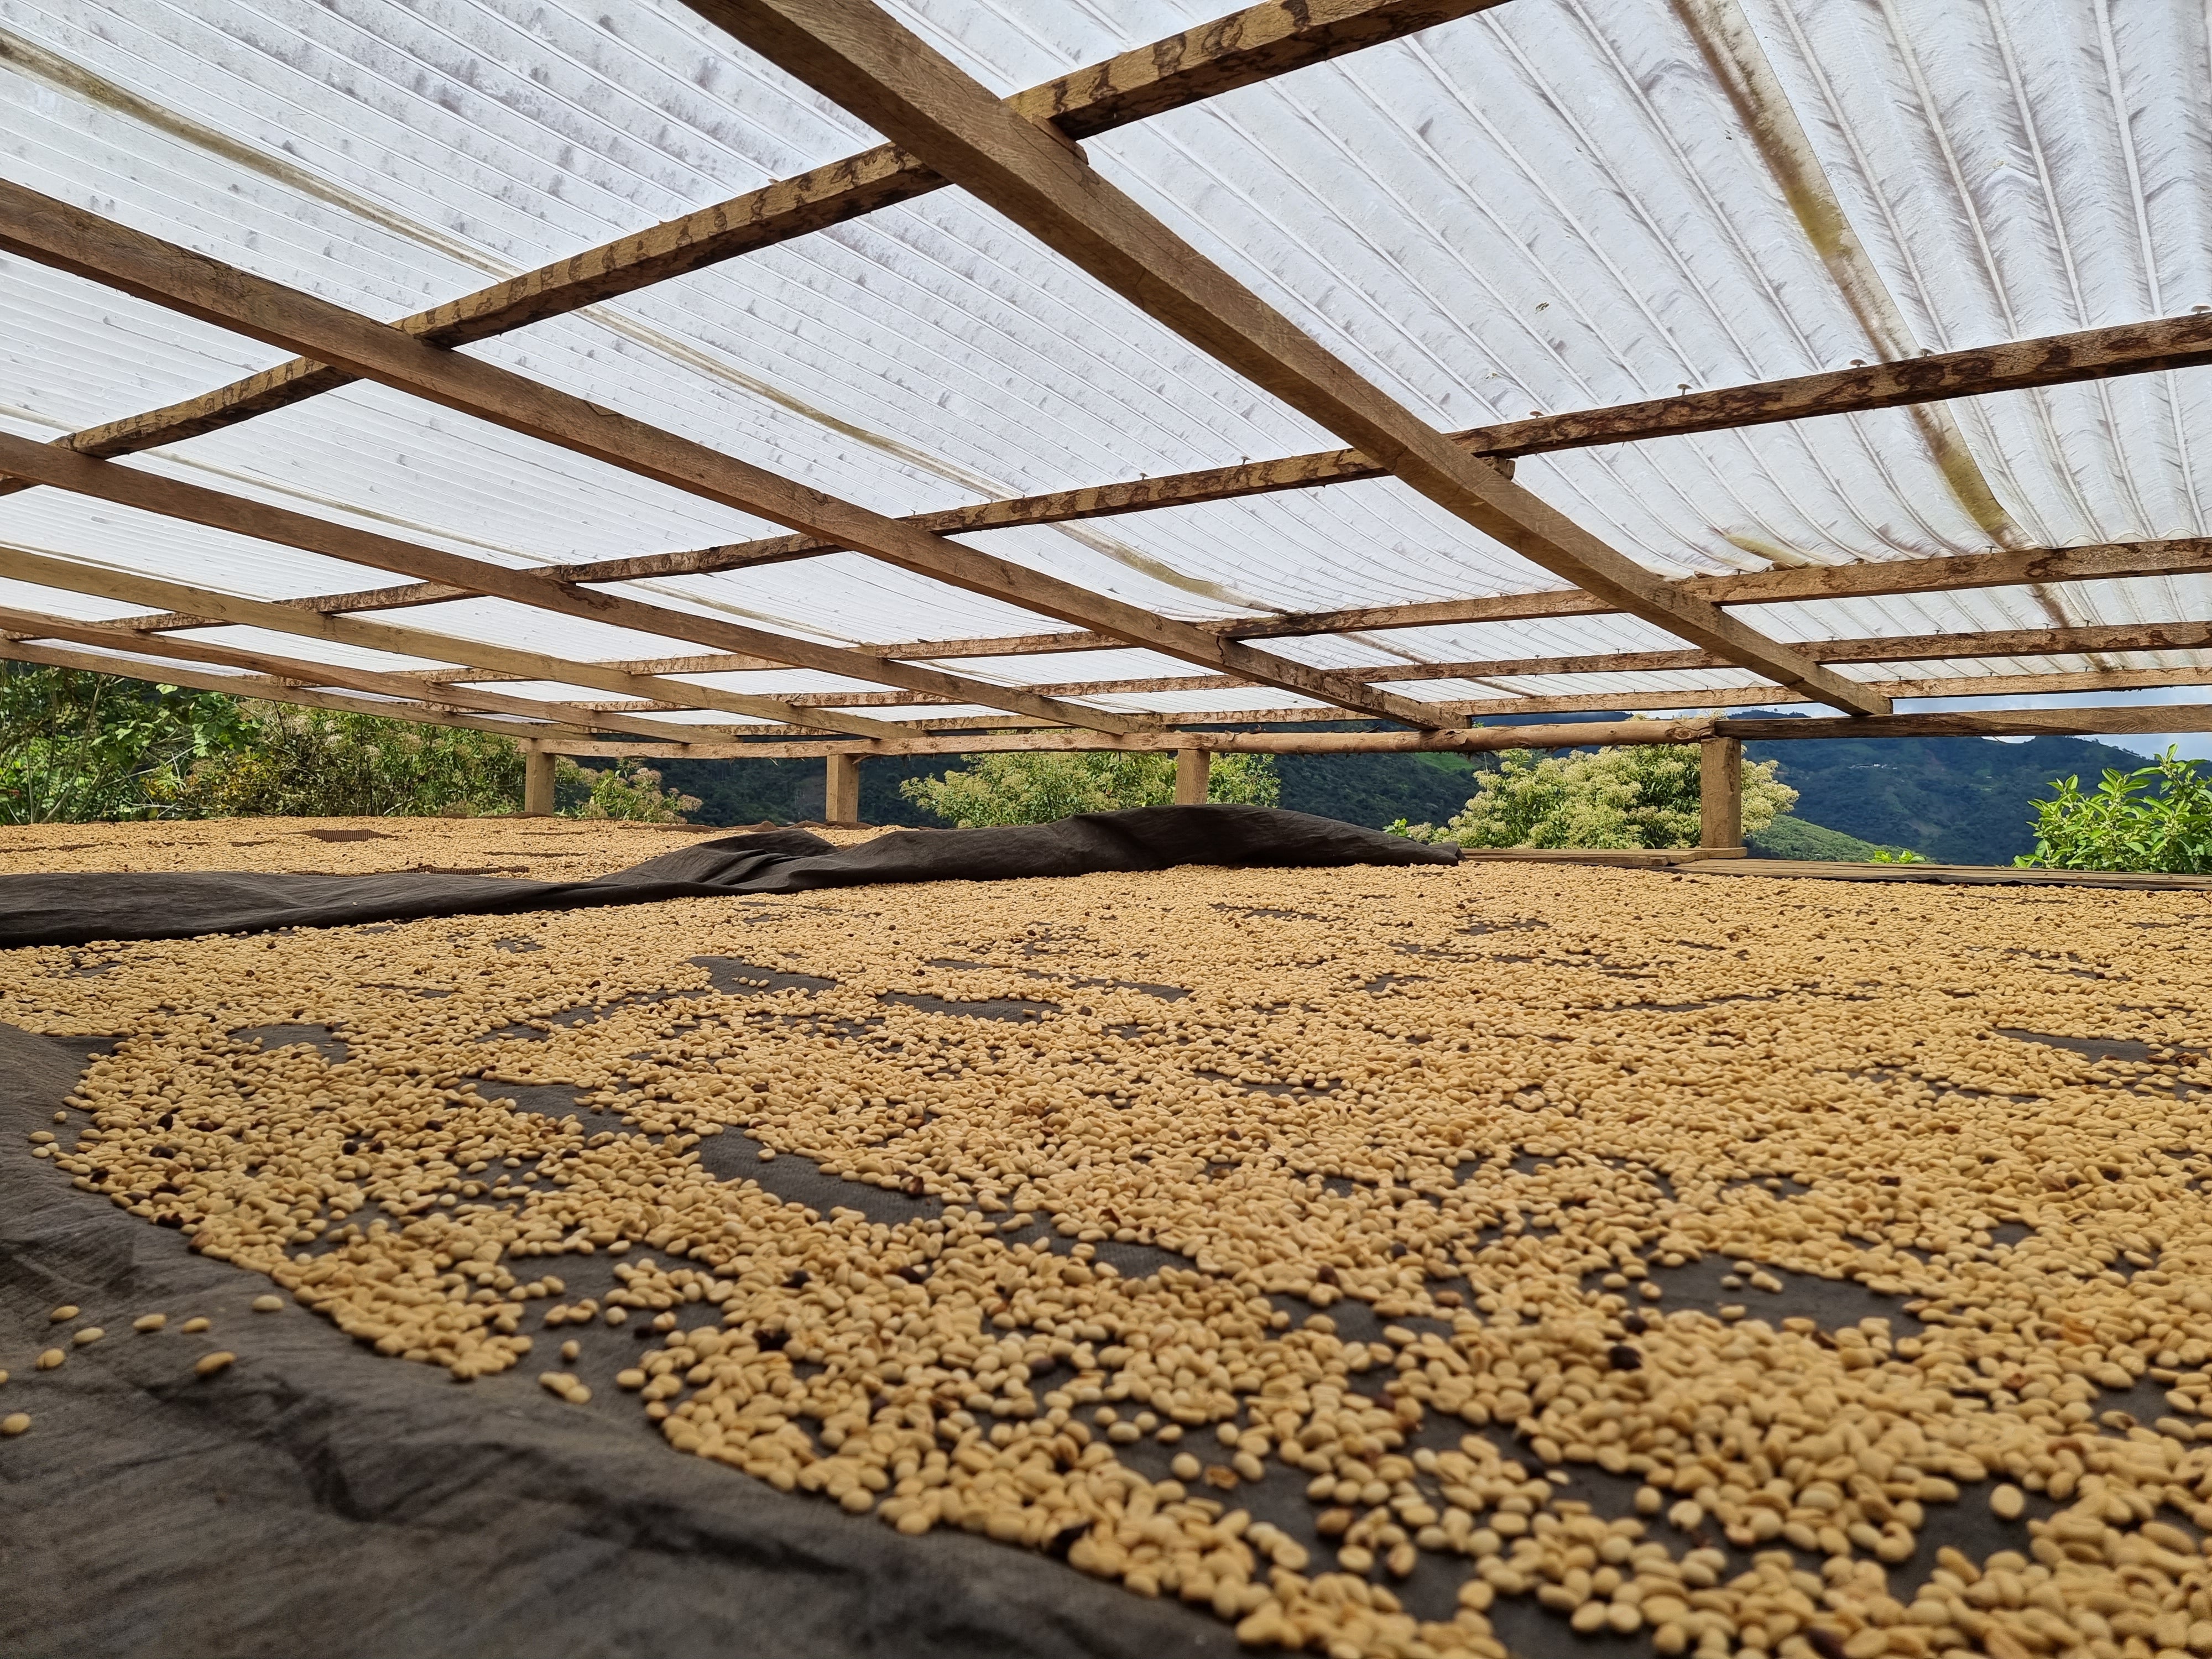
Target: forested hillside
[(1958, 800), (1369, 789)]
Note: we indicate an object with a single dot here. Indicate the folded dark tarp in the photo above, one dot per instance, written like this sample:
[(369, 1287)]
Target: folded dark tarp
[(79, 909)]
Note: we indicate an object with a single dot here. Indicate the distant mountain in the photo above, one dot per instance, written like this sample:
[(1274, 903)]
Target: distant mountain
[(1957, 800)]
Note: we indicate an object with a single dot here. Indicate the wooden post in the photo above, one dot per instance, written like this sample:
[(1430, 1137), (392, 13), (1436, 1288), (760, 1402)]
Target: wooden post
[(840, 789), (1193, 767), (537, 784), (1720, 791)]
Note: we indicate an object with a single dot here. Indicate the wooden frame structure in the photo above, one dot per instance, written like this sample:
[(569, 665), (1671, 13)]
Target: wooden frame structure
[(1023, 156)]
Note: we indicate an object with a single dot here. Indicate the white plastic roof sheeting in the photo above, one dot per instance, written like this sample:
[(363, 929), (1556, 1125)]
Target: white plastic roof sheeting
[(1548, 206)]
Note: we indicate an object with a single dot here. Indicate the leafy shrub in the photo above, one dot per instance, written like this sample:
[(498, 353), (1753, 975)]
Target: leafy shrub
[(75, 747), (2158, 818), (317, 763), (1643, 795), (631, 793), (1039, 787)]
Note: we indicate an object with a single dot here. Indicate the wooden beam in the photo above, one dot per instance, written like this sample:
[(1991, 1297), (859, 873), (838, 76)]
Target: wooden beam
[(1865, 578), (2030, 722), (1239, 50), (1906, 648), (855, 53), (1720, 791), (840, 789), (166, 674), (2055, 360), (153, 492), (539, 775), (1460, 711), (1448, 740), (1193, 774), (128, 588), (1734, 696), (55, 233), (37, 625)]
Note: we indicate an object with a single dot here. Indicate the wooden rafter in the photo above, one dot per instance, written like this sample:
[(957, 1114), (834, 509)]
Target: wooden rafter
[(67, 238), (1461, 710), (261, 668), (167, 674), (1239, 50), (1872, 577), (2008, 723), (154, 492), (1904, 648), (2055, 360), (129, 587), (854, 52)]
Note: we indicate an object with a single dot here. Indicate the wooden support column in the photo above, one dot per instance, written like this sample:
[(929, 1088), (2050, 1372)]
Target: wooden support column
[(1720, 791), (840, 789), (1193, 769), (537, 784)]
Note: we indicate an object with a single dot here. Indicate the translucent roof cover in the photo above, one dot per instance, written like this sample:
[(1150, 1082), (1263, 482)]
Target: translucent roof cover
[(1542, 206)]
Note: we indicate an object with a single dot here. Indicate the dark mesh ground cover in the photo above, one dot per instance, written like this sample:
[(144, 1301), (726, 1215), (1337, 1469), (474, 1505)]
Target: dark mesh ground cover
[(78, 909)]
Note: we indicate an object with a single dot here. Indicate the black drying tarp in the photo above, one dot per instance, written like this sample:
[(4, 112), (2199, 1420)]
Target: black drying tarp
[(79, 909), (317, 1500)]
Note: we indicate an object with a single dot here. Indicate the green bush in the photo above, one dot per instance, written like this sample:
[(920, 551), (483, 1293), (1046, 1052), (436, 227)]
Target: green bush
[(76, 747), (2158, 818), (318, 764), (1642, 795), (633, 793), (1039, 788)]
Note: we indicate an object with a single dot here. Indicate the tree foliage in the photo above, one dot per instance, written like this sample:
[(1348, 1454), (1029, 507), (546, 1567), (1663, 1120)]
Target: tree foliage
[(2157, 817), (1636, 796), (75, 747), (1039, 788)]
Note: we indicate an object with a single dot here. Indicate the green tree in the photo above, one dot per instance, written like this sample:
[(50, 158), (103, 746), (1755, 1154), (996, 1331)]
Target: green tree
[(75, 747), (631, 793), (1037, 787), (321, 763), (317, 763), (1643, 795), (2158, 818)]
